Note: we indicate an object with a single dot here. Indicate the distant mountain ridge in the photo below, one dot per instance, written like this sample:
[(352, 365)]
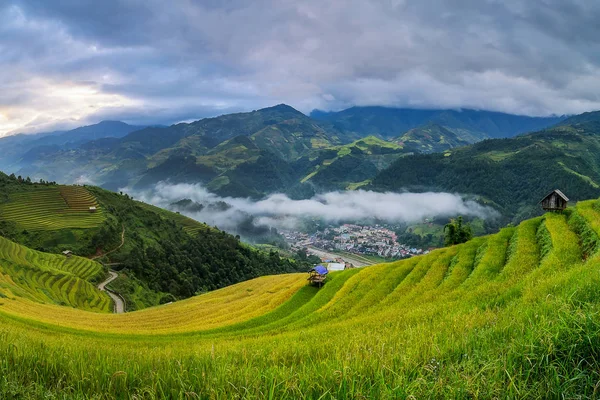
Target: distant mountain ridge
[(17, 147), (390, 122)]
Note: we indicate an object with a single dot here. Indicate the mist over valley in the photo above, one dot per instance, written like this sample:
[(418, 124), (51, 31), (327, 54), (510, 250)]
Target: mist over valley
[(281, 212)]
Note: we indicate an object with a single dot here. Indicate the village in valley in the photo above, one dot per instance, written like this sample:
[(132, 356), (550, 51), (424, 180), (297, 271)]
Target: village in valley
[(364, 240)]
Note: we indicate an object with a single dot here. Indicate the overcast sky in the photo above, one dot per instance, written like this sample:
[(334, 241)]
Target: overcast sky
[(70, 62)]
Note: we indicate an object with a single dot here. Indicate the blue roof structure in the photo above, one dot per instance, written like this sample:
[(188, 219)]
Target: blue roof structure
[(319, 269)]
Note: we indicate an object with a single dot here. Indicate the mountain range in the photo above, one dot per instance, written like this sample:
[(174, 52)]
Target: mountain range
[(275, 149), (469, 125), (23, 149)]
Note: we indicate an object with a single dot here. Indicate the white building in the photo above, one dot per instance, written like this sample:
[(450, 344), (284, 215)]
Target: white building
[(336, 267)]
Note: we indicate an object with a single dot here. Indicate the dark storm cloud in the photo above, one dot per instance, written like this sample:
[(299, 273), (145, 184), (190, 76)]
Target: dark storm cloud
[(161, 61)]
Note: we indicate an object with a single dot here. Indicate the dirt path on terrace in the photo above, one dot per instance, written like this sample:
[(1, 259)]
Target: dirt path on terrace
[(119, 303)]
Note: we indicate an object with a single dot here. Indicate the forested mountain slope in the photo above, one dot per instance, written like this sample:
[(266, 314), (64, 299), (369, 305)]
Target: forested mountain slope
[(431, 138), (513, 173)]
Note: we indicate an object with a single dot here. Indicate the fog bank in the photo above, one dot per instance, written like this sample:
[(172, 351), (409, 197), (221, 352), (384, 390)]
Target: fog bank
[(280, 211)]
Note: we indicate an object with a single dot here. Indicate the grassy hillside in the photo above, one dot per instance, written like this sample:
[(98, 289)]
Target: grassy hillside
[(511, 315), (51, 208), (162, 256)]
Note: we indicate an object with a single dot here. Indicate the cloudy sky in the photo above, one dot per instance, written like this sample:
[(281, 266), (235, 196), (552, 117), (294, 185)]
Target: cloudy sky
[(69, 62)]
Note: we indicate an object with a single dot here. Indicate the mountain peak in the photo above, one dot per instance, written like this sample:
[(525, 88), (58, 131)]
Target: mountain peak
[(111, 122), (282, 108), (590, 116)]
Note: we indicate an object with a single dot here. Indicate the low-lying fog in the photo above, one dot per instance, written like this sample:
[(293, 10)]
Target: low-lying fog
[(280, 211)]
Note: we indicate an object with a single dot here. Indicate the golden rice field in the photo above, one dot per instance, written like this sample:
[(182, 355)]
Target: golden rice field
[(510, 315), (51, 208)]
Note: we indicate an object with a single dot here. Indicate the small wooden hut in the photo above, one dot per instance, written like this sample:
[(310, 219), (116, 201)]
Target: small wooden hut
[(317, 275), (67, 253), (555, 201)]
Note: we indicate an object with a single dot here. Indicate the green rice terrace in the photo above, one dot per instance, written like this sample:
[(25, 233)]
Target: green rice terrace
[(51, 208), (510, 315), (50, 279)]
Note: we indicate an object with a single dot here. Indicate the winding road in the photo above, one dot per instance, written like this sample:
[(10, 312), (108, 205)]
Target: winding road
[(119, 303)]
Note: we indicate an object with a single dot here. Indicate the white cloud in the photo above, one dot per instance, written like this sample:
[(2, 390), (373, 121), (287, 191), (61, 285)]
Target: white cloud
[(280, 211)]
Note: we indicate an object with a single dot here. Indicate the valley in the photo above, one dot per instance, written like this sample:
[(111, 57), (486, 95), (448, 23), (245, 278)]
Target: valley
[(343, 257)]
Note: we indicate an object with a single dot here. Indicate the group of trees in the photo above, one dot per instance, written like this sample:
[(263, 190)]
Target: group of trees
[(27, 180), (456, 232), (419, 241), (12, 181)]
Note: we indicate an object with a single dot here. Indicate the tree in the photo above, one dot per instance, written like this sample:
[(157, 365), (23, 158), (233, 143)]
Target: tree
[(456, 232)]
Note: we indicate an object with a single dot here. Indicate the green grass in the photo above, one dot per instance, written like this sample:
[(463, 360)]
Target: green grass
[(510, 315), (357, 185)]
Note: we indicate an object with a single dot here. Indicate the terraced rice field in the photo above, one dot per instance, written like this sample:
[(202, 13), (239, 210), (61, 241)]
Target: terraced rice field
[(31, 277), (510, 315), (219, 308), (51, 208)]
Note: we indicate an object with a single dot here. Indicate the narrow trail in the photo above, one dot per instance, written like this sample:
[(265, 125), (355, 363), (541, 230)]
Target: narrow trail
[(113, 250), (119, 303)]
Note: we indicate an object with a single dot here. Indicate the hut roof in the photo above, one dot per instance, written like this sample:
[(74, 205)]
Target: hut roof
[(67, 252), (558, 192), (319, 269)]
